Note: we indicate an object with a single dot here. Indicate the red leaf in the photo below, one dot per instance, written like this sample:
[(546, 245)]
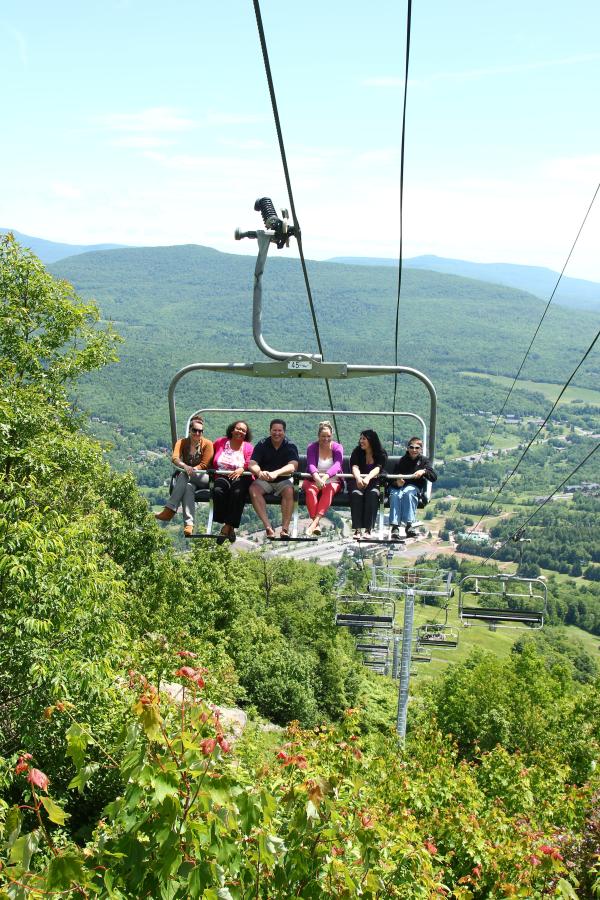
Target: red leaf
[(22, 763), (186, 672), (38, 779), (207, 746)]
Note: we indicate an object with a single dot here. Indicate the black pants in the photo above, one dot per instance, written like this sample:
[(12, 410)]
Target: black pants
[(364, 506), (229, 498)]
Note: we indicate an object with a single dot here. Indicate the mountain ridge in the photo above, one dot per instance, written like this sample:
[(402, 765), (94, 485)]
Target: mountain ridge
[(575, 293), (53, 251)]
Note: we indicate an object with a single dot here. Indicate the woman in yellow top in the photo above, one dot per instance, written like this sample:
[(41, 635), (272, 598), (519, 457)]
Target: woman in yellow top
[(192, 455)]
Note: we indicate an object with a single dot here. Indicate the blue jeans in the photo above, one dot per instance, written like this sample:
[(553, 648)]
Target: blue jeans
[(403, 504)]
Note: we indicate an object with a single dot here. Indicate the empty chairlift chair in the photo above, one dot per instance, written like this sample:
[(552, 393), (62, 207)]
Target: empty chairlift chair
[(365, 612), (503, 601)]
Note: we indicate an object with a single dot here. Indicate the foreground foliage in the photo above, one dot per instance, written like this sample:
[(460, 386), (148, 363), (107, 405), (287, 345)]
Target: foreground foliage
[(313, 817)]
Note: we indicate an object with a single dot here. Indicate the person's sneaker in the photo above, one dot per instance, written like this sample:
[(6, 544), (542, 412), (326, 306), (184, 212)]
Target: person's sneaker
[(410, 531), (395, 533), (165, 515)]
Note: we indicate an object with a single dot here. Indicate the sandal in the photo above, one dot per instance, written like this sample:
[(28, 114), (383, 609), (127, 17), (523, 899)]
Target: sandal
[(284, 534), (269, 533), (357, 535), (316, 531), (232, 536)]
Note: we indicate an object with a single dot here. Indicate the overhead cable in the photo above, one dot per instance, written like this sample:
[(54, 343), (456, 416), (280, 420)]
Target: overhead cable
[(297, 230), (407, 58), (542, 426), (535, 334), (547, 500)]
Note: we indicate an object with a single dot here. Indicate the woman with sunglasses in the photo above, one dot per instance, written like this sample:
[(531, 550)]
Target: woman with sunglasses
[(192, 456), (232, 455), (416, 471), (367, 461)]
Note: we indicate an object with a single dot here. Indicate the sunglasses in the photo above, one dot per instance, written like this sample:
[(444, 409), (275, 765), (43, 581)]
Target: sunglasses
[(196, 430), (414, 447)]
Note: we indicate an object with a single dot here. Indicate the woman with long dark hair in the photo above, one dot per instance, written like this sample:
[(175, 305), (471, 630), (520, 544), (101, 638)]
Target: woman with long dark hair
[(231, 457), (367, 461)]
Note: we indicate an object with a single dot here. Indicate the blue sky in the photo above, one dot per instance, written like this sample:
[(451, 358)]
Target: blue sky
[(148, 123)]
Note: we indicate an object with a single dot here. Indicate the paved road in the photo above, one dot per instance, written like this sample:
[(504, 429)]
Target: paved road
[(325, 551)]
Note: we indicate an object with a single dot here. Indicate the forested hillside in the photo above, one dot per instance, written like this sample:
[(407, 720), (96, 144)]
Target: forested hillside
[(177, 305)]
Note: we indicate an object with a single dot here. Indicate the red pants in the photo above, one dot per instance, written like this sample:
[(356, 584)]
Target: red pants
[(318, 500)]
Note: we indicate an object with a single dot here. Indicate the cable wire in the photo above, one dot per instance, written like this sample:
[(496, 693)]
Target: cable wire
[(535, 334), (542, 426), (547, 500), (297, 230), (407, 58)]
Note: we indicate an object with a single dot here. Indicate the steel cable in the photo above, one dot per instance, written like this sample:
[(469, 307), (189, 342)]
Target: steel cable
[(297, 229)]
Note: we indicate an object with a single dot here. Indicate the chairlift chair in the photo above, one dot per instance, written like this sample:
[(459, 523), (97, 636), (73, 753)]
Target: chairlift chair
[(423, 581), (290, 364), (437, 635), (365, 612), (503, 601)]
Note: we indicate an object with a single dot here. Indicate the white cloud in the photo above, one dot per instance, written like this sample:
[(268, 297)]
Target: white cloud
[(512, 69), (155, 119), (65, 191), (21, 43), (142, 141), (252, 144), (584, 169), (222, 118), (384, 81), (394, 81)]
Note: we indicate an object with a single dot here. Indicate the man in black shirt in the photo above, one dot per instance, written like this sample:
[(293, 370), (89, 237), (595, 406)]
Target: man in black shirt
[(273, 462)]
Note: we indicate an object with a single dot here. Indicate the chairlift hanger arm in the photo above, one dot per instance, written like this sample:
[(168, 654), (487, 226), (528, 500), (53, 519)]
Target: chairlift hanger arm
[(278, 233)]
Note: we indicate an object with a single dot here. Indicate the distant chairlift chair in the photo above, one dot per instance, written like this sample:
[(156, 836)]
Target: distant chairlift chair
[(503, 601)]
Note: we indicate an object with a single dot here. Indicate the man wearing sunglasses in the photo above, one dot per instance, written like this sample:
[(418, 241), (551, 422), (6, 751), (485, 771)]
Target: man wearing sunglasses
[(192, 455), (415, 471)]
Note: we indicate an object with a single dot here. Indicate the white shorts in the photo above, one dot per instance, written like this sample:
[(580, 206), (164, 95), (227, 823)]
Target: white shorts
[(274, 487)]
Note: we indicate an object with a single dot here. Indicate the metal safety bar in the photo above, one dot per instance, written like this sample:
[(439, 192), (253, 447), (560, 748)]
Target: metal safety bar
[(421, 580)]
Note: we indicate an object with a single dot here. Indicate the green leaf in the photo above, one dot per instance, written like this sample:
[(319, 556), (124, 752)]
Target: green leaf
[(83, 776), (77, 741), (12, 825), (564, 889), (63, 871), (165, 786), (151, 720), (24, 848), (55, 812), (200, 876)]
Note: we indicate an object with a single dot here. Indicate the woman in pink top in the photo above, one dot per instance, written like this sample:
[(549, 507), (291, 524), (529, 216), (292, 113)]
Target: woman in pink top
[(324, 460), (231, 456)]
